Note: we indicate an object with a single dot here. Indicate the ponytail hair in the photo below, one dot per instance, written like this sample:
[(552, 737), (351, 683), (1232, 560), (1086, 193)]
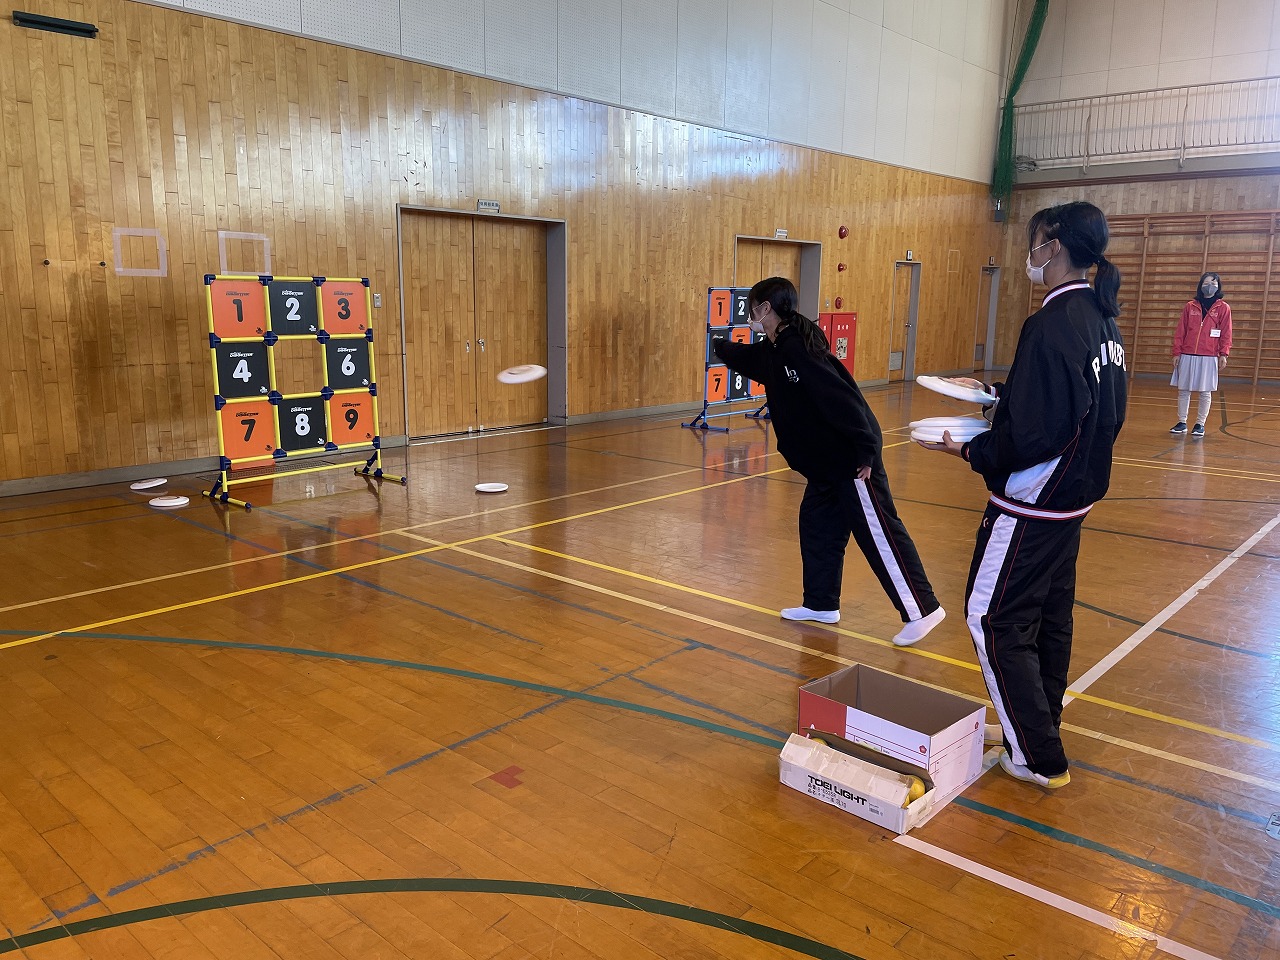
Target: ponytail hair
[(1082, 230), (780, 294)]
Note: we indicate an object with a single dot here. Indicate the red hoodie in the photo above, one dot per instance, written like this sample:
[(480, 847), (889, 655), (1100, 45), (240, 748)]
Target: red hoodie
[(1203, 334)]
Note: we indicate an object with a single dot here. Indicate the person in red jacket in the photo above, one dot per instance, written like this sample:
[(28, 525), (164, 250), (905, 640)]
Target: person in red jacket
[(1200, 347)]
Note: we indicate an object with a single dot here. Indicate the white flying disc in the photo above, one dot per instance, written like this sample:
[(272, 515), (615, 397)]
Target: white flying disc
[(148, 484), (962, 422), (949, 388), (523, 373), (169, 501), (491, 487), (934, 434)]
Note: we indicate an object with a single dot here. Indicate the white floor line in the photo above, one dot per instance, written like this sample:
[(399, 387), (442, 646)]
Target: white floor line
[(1105, 920), (1156, 622)]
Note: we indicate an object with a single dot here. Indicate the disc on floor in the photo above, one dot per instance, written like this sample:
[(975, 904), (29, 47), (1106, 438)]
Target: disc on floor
[(169, 501), (148, 484), (491, 487)]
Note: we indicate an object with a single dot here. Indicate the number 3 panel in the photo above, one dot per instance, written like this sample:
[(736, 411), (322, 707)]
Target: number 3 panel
[(344, 306), (352, 417), (248, 430), (302, 425)]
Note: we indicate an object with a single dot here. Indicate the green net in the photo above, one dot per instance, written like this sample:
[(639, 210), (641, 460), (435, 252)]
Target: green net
[(1003, 175)]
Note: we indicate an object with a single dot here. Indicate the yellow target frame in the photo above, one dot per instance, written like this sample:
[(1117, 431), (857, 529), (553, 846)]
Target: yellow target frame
[(227, 317)]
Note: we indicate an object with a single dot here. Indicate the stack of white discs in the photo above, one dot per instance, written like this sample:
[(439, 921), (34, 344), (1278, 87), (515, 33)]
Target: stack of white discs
[(962, 429)]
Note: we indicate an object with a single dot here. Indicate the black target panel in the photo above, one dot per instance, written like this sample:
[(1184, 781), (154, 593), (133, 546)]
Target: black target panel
[(243, 370), (347, 363), (302, 424), (293, 308)]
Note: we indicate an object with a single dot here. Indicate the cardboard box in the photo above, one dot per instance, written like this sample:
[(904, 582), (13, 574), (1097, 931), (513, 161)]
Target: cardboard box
[(830, 775), (900, 718)]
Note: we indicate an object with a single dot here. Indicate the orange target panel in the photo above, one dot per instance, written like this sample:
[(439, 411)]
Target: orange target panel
[(346, 310), (717, 384), (720, 308), (248, 429), (239, 307), (351, 419)]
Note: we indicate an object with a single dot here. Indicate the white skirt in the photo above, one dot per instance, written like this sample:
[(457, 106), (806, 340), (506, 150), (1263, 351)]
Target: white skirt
[(1195, 374)]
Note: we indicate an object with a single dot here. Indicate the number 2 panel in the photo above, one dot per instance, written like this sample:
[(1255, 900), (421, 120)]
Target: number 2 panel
[(293, 307)]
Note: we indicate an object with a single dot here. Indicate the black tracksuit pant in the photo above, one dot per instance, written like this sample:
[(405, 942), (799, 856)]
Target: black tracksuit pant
[(1018, 604), (829, 512)]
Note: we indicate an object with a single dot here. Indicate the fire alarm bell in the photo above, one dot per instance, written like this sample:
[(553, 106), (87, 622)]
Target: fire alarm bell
[(839, 302), (844, 232), (842, 267)]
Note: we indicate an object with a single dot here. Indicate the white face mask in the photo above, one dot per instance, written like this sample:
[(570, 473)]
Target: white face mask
[(1036, 274), (756, 326)]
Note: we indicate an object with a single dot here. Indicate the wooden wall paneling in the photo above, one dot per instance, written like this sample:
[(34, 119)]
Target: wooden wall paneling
[(439, 312), (511, 318), (748, 263), (190, 125), (780, 260)]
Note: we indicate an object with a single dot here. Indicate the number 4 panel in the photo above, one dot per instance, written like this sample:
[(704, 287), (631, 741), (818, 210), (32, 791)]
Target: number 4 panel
[(352, 418), (248, 430), (243, 370), (301, 424)]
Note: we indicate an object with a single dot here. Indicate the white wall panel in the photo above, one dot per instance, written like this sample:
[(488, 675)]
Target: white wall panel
[(702, 55), (922, 92), (827, 80), (746, 102), (444, 32), (589, 51), (520, 42), (862, 88), (649, 55), (790, 70), (277, 14), (891, 105), (374, 25)]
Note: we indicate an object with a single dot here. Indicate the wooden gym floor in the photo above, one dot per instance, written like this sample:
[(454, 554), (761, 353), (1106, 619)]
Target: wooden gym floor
[(421, 723)]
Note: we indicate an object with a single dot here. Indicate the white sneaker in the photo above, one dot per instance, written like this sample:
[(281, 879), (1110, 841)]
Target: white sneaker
[(916, 630), (992, 734), (817, 616), (1019, 772)]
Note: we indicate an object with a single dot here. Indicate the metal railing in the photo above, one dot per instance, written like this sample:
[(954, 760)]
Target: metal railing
[(1174, 123)]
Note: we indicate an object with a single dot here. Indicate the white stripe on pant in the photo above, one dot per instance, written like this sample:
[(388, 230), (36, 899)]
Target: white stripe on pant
[(984, 584)]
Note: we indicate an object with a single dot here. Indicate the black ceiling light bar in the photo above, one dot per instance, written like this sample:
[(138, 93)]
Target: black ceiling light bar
[(57, 25)]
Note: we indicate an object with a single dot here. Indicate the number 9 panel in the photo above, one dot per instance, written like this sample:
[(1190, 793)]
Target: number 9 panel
[(352, 417)]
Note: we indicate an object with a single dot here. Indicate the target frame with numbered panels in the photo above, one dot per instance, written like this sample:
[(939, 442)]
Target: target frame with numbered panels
[(726, 320), (257, 424)]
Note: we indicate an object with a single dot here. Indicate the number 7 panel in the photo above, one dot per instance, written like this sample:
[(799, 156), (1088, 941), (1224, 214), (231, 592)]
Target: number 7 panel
[(248, 430)]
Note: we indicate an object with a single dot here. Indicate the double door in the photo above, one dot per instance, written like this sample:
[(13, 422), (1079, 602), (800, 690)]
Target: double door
[(475, 304)]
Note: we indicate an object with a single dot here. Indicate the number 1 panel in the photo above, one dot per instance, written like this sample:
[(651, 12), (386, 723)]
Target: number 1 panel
[(237, 307)]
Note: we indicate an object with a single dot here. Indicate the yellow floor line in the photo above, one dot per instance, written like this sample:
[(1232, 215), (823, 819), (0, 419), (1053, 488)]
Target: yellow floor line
[(836, 658), (339, 543), (378, 561), (913, 651)]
